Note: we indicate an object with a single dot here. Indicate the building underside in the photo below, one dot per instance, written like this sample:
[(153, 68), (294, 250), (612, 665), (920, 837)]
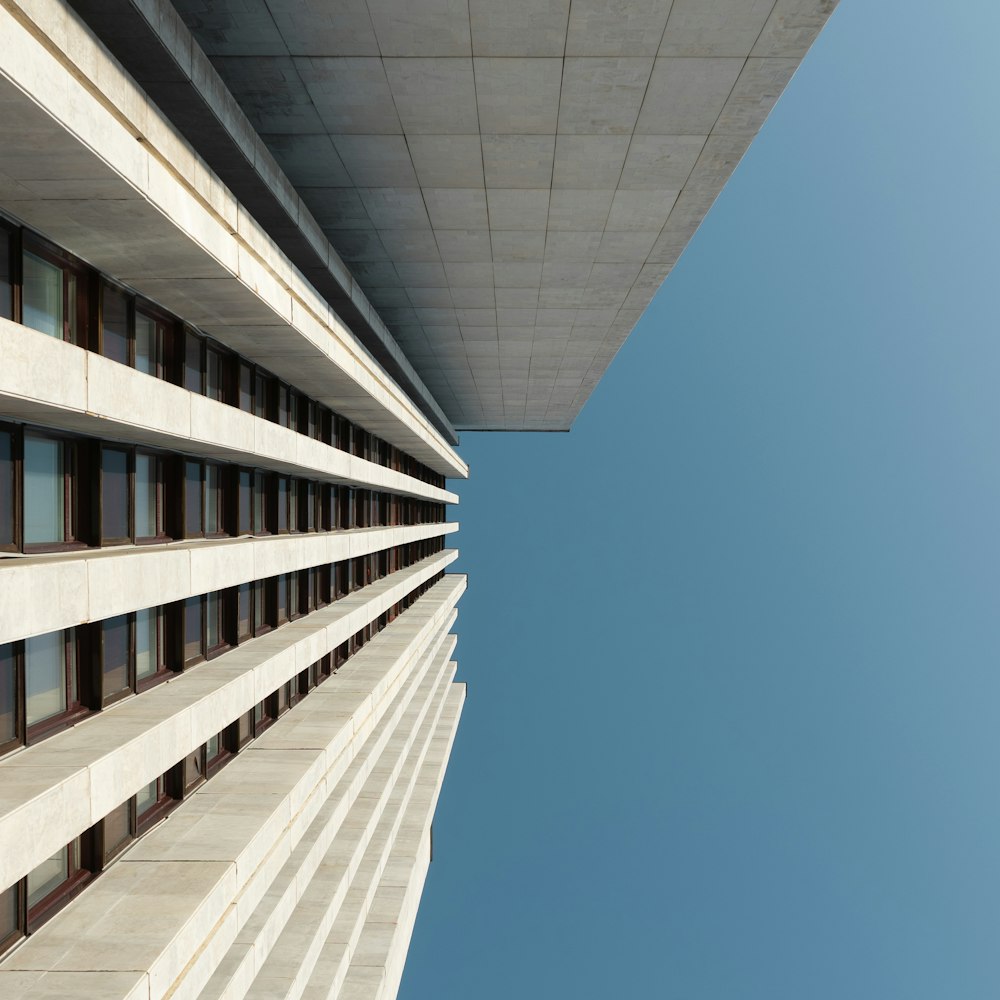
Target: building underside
[(260, 261)]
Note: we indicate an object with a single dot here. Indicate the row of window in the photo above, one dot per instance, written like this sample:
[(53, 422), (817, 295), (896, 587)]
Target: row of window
[(61, 491), (45, 288), (50, 681), (25, 906)]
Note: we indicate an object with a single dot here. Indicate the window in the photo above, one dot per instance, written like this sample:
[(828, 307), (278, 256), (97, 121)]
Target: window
[(148, 497), (7, 312), (42, 296), (48, 490), (150, 336), (214, 500), (262, 621), (151, 803), (244, 612), (10, 909), (114, 324), (192, 374), (245, 381), (194, 631), (117, 661), (50, 677), (244, 504), (8, 529), (118, 830), (53, 882), (150, 659), (115, 520), (215, 373), (10, 728), (194, 518), (283, 491), (261, 504)]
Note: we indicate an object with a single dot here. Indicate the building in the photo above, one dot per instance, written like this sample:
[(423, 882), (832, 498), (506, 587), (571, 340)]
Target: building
[(260, 261)]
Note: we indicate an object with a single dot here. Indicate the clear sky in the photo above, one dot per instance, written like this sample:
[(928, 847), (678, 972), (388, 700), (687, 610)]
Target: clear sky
[(733, 728)]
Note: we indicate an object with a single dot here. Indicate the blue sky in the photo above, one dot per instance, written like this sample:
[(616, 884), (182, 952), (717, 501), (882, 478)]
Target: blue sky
[(731, 644)]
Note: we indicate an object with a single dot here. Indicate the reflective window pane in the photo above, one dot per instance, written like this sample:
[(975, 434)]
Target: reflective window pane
[(6, 486), (114, 324), (147, 344), (8, 695), (48, 876), (42, 296), (43, 490), (147, 658), (146, 473), (115, 666), (8, 907), (45, 676), (245, 400), (147, 798), (114, 494)]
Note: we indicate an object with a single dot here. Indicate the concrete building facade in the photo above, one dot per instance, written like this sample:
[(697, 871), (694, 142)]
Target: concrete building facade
[(260, 261)]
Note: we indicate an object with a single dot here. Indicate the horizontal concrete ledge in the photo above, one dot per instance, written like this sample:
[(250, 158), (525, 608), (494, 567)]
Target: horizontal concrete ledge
[(63, 786), (222, 843), (42, 593), (157, 49), (342, 851), (47, 381), (378, 957), (138, 203)]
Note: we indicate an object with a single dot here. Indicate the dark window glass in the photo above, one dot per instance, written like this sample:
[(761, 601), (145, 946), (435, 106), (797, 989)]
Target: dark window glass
[(10, 930), (294, 489), (118, 830), (114, 495), (260, 399), (194, 769), (244, 624), (148, 344), (284, 406), (213, 622), (114, 324), (192, 362), (44, 490), (147, 479), (8, 701), (245, 510), (281, 603), (7, 539), (259, 503), (282, 503), (193, 521), (192, 629), (245, 400), (7, 312), (213, 373), (115, 667), (213, 494), (260, 620)]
